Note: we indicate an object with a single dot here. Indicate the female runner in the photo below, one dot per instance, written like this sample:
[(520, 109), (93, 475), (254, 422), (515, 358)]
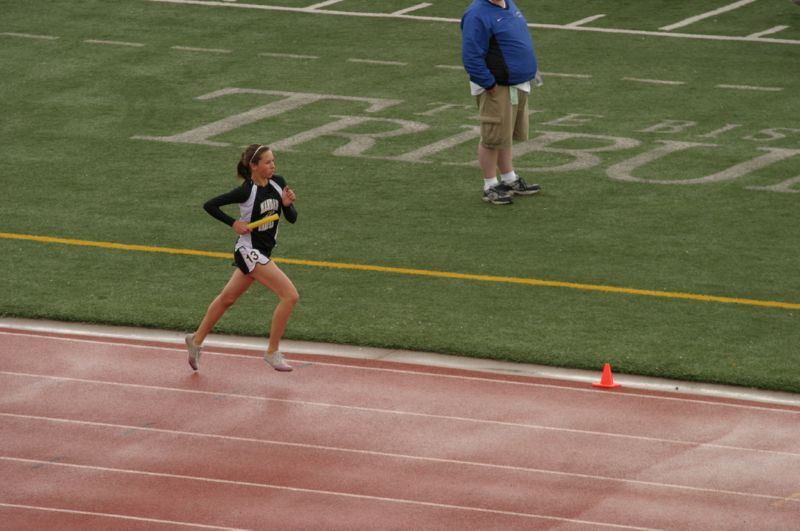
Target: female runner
[(262, 193)]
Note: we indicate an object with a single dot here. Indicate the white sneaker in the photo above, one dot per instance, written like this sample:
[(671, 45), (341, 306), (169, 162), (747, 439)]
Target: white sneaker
[(194, 351), (277, 361)]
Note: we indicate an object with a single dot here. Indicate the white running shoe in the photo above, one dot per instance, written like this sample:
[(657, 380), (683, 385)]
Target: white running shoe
[(194, 351), (277, 361)]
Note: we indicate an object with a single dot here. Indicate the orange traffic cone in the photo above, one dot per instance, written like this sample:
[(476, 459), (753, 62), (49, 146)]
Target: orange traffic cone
[(607, 380)]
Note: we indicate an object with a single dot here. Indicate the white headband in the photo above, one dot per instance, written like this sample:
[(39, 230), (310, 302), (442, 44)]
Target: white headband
[(256, 153)]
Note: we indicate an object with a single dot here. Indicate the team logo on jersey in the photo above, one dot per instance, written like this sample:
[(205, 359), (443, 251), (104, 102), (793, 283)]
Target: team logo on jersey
[(268, 206)]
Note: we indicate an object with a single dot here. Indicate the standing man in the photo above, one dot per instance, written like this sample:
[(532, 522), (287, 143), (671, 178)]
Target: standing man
[(498, 54)]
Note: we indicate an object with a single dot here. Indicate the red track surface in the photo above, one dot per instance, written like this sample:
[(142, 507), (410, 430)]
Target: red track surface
[(109, 433)]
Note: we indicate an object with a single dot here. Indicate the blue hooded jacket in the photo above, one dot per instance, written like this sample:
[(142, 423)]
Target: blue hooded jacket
[(496, 46)]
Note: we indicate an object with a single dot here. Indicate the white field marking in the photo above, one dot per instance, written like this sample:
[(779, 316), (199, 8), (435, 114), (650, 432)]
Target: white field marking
[(206, 50), (654, 81), (796, 495), (351, 495), (324, 4), (709, 14), (769, 31), (401, 413), (548, 386), (785, 186), (288, 55), (376, 62), (583, 21), (373, 453), (550, 74), (555, 74), (619, 31), (181, 348), (643, 33), (412, 8), (750, 87), (114, 43), (113, 516), (29, 36)]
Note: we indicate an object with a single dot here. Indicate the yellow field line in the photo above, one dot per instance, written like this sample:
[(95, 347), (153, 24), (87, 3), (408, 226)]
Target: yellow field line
[(111, 245), (416, 272)]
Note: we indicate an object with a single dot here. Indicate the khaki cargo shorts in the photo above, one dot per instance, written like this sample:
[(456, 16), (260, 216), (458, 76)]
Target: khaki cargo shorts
[(501, 119)]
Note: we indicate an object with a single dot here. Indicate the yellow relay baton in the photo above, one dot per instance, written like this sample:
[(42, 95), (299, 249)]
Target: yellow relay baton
[(262, 221)]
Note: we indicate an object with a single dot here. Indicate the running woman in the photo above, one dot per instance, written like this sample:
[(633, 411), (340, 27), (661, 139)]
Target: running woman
[(262, 193)]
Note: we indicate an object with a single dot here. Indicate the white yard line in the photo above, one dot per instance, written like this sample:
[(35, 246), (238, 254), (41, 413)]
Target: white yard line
[(769, 31), (114, 43), (654, 81), (619, 31), (750, 87), (557, 74), (412, 8), (691, 20), (547, 74), (288, 55), (29, 36), (376, 62), (583, 21), (206, 50), (315, 9), (324, 4)]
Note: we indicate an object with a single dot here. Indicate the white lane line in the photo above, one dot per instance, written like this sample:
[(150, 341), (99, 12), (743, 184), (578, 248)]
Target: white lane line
[(654, 81), (769, 31), (351, 495), (750, 87), (376, 62), (323, 4), (239, 346), (401, 413), (205, 50), (618, 31), (113, 516), (29, 36), (288, 55), (412, 8), (114, 43), (691, 20), (373, 453), (583, 21)]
